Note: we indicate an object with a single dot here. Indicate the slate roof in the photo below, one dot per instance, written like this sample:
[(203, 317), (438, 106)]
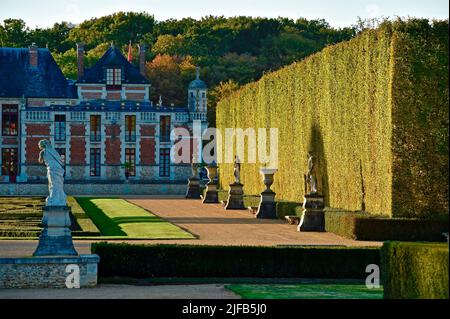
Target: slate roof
[(18, 79), (113, 58), (197, 84)]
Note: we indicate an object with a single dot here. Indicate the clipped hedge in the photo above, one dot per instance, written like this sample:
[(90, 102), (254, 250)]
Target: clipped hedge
[(415, 270), (361, 226), (374, 110), (141, 261)]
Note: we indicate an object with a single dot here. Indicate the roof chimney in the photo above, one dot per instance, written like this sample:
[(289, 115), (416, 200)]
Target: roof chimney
[(33, 55), (142, 51), (80, 60)]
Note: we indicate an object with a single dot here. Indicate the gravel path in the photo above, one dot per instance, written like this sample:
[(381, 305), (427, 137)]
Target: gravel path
[(124, 292), (212, 225)]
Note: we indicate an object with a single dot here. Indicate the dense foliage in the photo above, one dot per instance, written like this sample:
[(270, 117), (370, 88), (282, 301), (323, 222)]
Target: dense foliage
[(374, 110), (238, 48), (415, 270), (362, 226), (147, 261)]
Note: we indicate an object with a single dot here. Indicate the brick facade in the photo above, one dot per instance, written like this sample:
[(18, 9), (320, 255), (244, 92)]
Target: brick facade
[(77, 144), (113, 145), (147, 147), (34, 133)]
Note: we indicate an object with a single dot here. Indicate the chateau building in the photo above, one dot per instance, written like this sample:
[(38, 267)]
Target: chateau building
[(103, 124)]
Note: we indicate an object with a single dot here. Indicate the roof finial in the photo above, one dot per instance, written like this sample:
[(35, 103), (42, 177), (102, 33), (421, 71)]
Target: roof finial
[(197, 73)]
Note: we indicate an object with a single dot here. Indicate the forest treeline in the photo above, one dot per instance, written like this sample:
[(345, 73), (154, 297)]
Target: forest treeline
[(230, 51)]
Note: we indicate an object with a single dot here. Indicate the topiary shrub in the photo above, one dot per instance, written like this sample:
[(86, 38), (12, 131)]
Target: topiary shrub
[(415, 270)]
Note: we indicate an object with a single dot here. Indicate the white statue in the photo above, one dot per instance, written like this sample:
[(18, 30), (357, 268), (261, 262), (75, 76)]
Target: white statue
[(237, 170), (55, 174), (310, 175), (194, 165)]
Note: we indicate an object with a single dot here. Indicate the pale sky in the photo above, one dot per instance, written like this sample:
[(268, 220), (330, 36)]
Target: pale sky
[(339, 13)]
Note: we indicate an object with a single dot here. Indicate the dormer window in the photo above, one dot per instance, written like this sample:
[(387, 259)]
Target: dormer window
[(113, 78)]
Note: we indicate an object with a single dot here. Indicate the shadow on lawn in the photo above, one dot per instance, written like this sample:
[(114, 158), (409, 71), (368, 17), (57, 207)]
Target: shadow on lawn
[(140, 219), (106, 226)]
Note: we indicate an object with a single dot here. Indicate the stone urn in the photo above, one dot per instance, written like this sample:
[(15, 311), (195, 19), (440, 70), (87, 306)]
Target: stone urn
[(211, 195), (267, 207), (267, 174)]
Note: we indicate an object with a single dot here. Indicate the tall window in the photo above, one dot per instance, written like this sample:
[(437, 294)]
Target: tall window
[(164, 124), (60, 127), (96, 124), (130, 158), (10, 120), (164, 162), (95, 162), (9, 161), (130, 128), (114, 79)]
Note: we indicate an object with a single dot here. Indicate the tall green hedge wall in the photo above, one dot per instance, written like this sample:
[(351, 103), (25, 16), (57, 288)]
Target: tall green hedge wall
[(374, 110), (415, 270)]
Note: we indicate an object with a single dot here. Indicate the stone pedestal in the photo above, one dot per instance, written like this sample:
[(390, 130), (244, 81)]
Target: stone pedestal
[(56, 237), (193, 191), (267, 208), (235, 197), (48, 272), (211, 194), (313, 218)]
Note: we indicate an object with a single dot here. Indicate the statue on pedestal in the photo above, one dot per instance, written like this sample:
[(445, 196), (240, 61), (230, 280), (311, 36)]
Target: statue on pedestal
[(56, 237), (310, 175), (237, 170), (55, 174)]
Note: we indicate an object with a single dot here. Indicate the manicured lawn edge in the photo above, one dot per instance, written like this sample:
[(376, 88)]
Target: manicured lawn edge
[(415, 270), (87, 227), (305, 291), (144, 261), (115, 223)]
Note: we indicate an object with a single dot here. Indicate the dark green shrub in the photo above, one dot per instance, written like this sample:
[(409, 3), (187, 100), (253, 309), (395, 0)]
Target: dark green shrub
[(415, 270), (285, 208), (140, 261), (362, 226)]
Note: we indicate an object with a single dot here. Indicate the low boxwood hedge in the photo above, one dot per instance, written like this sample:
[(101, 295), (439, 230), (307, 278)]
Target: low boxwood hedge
[(415, 270), (143, 261), (361, 226)]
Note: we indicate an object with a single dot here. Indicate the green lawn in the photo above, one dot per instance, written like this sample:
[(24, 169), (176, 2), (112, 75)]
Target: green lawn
[(306, 291), (117, 217)]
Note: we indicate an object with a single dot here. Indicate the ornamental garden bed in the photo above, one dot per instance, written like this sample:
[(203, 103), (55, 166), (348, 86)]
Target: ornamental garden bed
[(92, 218), (20, 218)]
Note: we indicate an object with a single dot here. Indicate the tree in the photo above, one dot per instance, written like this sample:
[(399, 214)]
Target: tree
[(54, 38), (14, 33), (168, 75), (169, 44), (216, 94), (67, 62)]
